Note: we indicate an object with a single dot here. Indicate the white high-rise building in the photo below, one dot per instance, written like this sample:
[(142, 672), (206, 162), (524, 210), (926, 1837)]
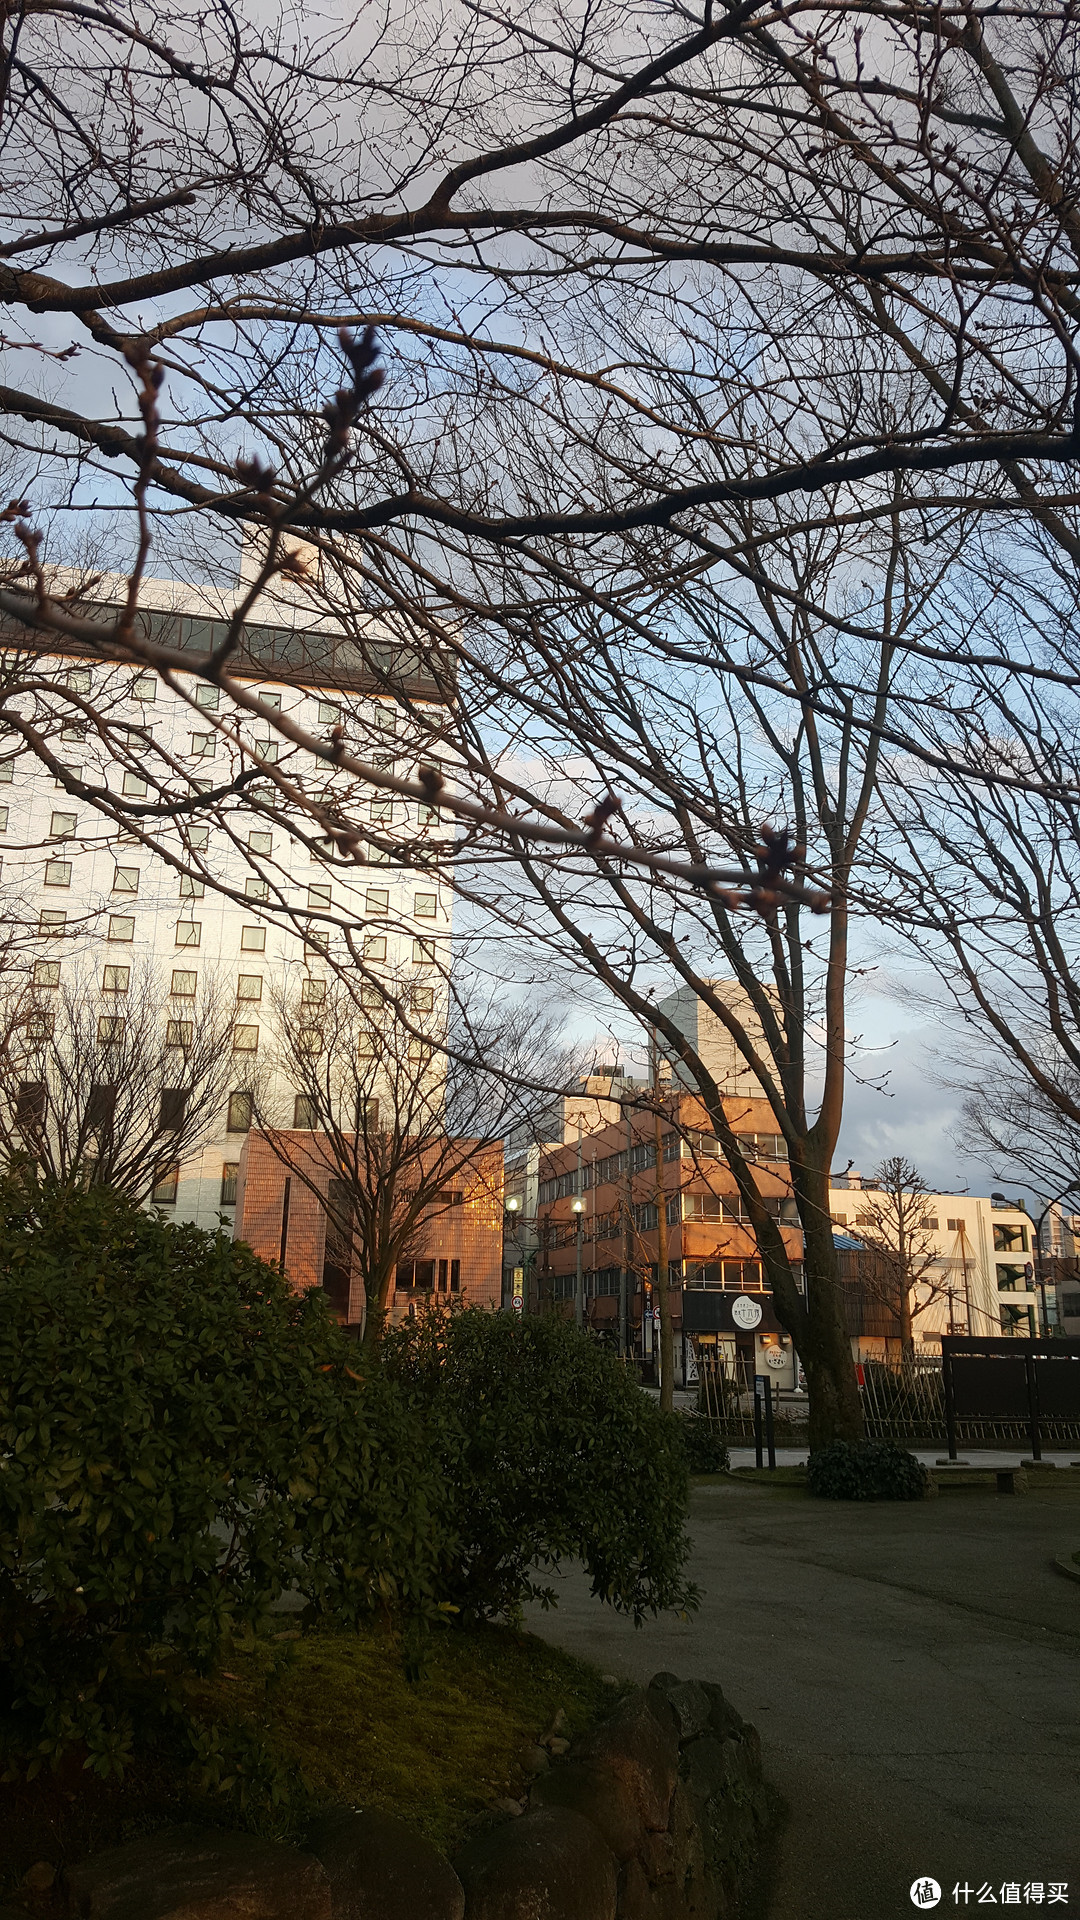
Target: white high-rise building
[(243, 888), (712, 1041)]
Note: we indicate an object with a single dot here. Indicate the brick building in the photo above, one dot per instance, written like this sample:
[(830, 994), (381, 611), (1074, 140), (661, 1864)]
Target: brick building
[(598, 1200), (456, 1255)]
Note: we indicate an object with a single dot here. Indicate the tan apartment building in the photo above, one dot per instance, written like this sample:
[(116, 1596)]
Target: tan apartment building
[(974, 1257)]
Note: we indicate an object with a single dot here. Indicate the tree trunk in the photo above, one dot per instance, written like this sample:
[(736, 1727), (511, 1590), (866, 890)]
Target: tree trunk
[(835, 1406), (663, 1288)]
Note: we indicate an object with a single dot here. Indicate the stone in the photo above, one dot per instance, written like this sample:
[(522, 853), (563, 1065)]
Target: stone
[(556, 1745), (657, 1856), (199, 1873), (534, 1760), (689, 1701), (551, 1865), (636, 1898), (642, 1752), (39, 1878), (380, 1868), (722, 1715), (601, 1797), (710, 1766)]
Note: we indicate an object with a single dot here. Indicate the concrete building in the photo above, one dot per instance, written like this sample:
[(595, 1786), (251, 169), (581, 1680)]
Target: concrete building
[(284, 1216), (711, 1040), (976, 1253), (241, 893), (598, 1212)]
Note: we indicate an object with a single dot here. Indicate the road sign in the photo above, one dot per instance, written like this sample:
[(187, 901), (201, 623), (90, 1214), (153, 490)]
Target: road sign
[(519, 1304)]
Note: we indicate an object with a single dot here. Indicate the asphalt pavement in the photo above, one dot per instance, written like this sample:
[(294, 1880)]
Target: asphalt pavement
[(914, 1671)]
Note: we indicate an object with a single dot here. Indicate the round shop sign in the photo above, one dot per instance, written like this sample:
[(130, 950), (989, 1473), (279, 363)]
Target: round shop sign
[(775, 1357), (746, 1313)]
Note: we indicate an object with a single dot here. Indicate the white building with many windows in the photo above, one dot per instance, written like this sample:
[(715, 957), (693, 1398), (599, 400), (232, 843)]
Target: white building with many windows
[(192, 864), (975, 1254)]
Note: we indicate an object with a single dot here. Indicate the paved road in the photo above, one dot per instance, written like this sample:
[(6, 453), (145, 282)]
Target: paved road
[(915, 1674)]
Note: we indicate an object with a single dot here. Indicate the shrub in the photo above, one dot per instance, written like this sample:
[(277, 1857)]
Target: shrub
[(551, 1451), (181, 1439), (703, 1444), (870, 1470)]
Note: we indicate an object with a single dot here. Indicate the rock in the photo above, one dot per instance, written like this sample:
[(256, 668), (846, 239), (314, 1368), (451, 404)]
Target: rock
[(661, 1708), (689, 1701), (380, 1868), (534, 1760), (598, 1794), (40, 1877), (508, 1806), (636, 1898), (710, 1766), (556, 1745), (199, 1873), (657, 1856), (722, 1715), (552, 1865), (640, 1751), (610, 1680)]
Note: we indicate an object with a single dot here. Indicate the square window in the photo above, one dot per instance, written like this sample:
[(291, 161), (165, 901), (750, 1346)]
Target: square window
[(50, 921), (78, 680), (245, 1039), (203, 745), (257, 889), (39, 1025), (329, 714), (46, 973), (178, 1033), (73, 730), (425, 906), (116, 980), (419, 1050), (239, 1118), (72, 773), (371, 995), (318, 896), (260, 843), (62, 826), (423, 953), (313, 993), (381, 811), (121, 926), (365, 1047), (305, 1113), (423, 999), (229, 1171), (190, 888), (377, 900), (427, 816), (164, 1192), (249, 986), (134, 786), (272, 700), (253, 939), (3, 819), (188, 932), (269, 751), (144, 686), (375, 946), (172, 1109), (184, 982), (126, 880), (58, 873), (7, 771), (198, 839), (207, 697), (110, 1028), (310, 1040)]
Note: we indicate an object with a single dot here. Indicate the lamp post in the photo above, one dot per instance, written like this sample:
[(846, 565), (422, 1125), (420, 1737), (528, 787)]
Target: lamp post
[(578, 1209)]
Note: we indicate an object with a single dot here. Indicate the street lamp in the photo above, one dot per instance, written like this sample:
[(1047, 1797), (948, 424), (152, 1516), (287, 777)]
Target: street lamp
[(578, 1208)]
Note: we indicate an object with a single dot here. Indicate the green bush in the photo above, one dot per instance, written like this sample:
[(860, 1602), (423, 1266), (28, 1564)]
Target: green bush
[(182, 1439), (551, 1452), (870, 1470), (704, 1446)]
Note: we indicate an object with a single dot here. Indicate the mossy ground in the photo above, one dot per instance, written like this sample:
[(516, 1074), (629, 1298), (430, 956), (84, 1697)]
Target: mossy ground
[(438, 1748)]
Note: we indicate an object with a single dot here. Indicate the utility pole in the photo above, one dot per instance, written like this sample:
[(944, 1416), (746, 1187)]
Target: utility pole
[(663, 1288), (579, 1211)]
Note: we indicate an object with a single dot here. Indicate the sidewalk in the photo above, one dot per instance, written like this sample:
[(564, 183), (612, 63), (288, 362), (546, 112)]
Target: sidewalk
[(744, 1456)]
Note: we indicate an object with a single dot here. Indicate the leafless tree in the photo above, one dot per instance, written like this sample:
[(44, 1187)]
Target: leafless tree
[(893, 1222), (98, 1082), (395, 1104)]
